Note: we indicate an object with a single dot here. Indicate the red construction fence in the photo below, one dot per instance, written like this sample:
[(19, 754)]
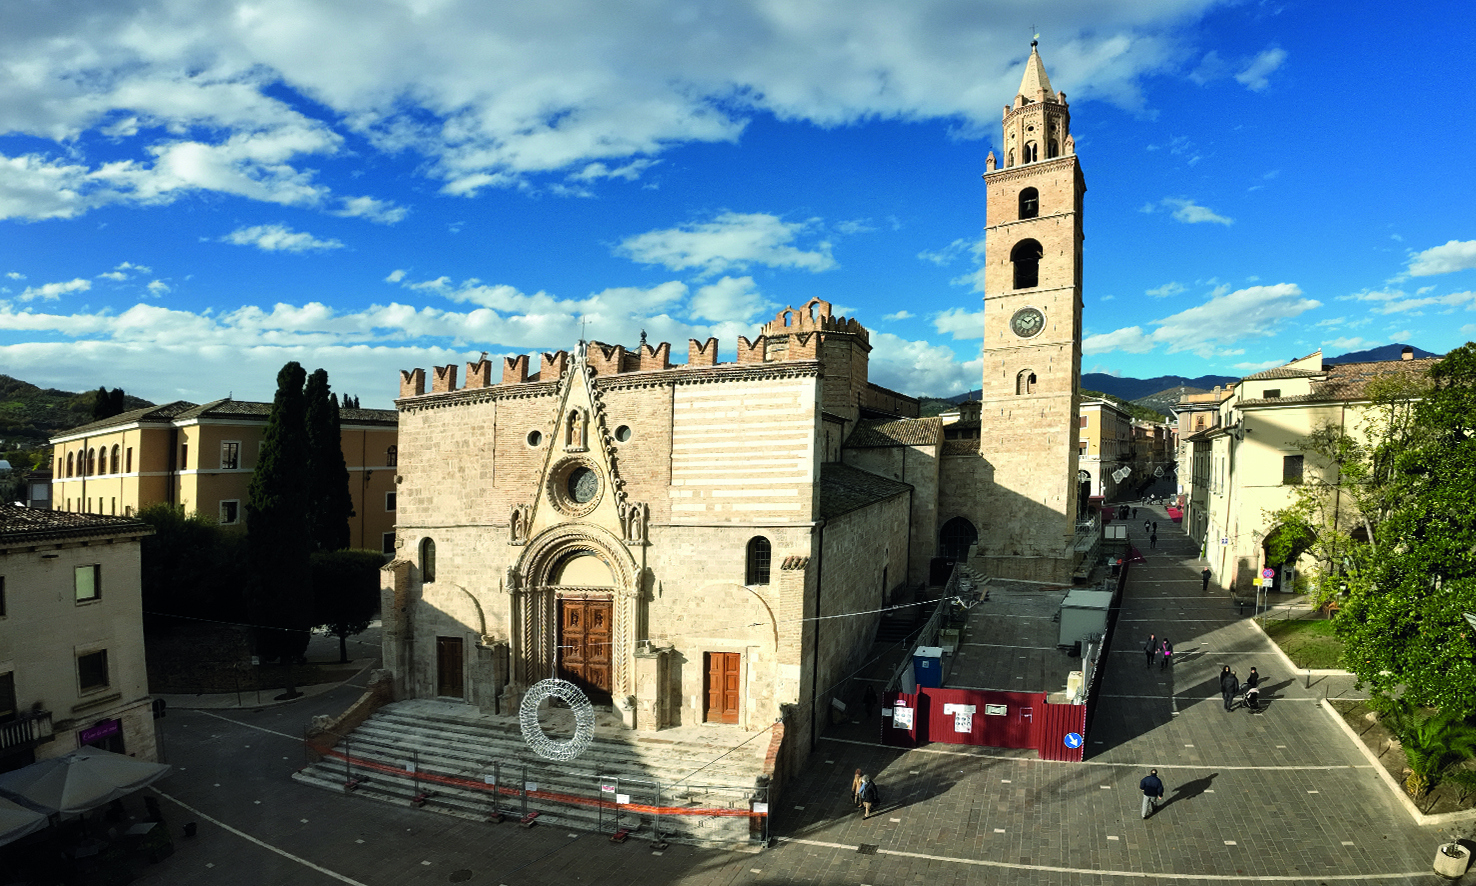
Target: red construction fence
[(993, 720)]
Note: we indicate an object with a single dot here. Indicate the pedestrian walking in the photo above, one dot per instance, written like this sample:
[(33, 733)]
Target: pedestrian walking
[(1228, 686), (1167, 658), (1134, 514), (869, 700), (1155, 527), (869, 796), (1152, 788), (1204, 577), (1147, 527), (1153, 540), (1250, 690), (1151, 647), (856, 788)]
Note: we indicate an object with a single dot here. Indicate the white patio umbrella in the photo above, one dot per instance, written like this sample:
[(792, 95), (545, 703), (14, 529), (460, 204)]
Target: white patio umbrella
[(82, 780), (17, 821)]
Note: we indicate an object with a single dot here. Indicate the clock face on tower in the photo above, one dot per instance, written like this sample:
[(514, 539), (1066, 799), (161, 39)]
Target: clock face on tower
[(1027, 322)]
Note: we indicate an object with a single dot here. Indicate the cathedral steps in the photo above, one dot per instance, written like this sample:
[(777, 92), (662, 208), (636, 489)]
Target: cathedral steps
[(705, 784)]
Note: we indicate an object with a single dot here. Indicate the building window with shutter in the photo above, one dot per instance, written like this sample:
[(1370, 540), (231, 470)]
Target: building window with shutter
[(230, 455)]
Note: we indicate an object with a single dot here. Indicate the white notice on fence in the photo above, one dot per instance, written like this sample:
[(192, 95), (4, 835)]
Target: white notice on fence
[(530, 785), (761, 808), (963, 722), (902, 717), (608, 788), (622, 799), (489, 779), (409, 767)]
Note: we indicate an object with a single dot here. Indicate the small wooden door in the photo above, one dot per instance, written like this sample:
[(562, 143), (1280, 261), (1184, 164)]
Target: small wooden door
[(450, 664), (584, 644), (723, 687)]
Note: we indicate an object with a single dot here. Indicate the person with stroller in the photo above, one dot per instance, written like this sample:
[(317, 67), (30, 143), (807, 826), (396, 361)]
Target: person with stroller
[(1250, 690)]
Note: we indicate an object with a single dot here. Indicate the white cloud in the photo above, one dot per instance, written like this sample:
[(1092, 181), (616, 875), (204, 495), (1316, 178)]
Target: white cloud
[(959, 323), (731, 299), (856, 226), (279, 238), (1173, 287), (948, 254), (245, 98), (1457, 255), (159, 287), (372, 208), (15, 275), (921, 368), (121, 272), (395, 276), (1348, 343), (1397, 301), (1213, 328), (733, 240), (1187, 211), (899, 315), (1257, 74), (54, 291)]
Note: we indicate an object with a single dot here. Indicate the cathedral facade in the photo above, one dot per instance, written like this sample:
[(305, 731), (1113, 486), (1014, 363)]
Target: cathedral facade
[(678, 539)]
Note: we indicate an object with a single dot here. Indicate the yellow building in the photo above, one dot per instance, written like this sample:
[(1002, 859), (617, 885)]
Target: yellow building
[(1105, 447), (202, 458), (1248, 459)]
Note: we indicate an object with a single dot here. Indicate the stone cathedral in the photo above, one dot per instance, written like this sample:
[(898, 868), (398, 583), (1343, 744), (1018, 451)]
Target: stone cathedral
[(670, 536)]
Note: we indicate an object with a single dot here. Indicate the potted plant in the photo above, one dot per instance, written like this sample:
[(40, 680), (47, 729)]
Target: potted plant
[(1451, 860)]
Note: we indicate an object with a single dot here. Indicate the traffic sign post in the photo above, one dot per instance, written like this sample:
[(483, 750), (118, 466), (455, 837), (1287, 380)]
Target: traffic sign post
[(1072, 740)]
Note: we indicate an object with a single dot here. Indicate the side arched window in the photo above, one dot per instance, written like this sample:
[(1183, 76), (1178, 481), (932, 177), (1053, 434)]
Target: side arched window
[(1026, 259), (759, 558), (1053, 149), (91, 462), (392, 457), (1030, 153), (113, 464), (70, 470), (427, 560), (1025, 382), (1029, 203)]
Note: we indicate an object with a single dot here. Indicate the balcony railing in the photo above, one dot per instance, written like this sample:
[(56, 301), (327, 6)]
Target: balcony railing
[(33, 728)]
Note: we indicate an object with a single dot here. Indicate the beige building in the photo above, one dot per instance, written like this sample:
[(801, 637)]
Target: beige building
[(202, 458), (71, 636), (1105, 448), (1248, 460), (710, 542)]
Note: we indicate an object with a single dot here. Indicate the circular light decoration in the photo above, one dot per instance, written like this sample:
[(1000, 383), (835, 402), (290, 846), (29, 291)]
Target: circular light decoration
[(584, 720)]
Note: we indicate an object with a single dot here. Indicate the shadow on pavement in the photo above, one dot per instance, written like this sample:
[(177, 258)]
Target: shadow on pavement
[(1189, 790)]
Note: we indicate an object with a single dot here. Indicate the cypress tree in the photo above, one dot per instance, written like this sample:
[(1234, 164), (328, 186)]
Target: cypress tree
[(279, 541), (329, 503)]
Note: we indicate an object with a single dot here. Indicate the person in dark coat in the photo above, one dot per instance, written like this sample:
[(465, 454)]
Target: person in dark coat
[(1167, 649), (868, 795), (1152, 788), (869, 700), (1228, 686), (1204, 577), (1147, 526), (1151, 647), (1252, 693), (1153, 540)]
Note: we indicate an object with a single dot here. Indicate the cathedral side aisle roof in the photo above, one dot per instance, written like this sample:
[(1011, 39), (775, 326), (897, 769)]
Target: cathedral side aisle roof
[(874, 433), (844, 489)]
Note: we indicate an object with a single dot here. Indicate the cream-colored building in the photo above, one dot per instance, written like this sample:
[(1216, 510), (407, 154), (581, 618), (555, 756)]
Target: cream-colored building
[(1105, 448), (71, 636), (1250, 461), (202, 458), (710, 542)]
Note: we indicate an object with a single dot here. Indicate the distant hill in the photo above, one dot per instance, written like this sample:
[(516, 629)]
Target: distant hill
[(1387, 352), (29, 415)]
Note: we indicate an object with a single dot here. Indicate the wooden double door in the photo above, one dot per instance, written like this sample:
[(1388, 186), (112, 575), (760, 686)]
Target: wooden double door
[(585, 650), (724, 686)]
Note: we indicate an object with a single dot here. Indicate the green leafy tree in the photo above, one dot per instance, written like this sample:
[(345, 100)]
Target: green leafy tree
[(346, 593), (1404, 626), (329, 503), (190, 567), (1432, 741), (278, 530)]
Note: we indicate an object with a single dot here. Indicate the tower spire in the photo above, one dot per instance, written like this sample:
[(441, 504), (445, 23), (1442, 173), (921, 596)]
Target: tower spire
[(1035, 85)]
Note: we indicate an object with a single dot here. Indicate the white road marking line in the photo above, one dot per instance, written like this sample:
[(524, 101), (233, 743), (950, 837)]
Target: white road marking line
[(267, 846), (1137, 876), (1318, 768), (252, 726), (1229, 842), (1114, 838), (999, 830)]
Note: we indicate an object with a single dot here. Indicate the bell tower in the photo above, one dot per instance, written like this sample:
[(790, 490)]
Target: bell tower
[(1032, 338)]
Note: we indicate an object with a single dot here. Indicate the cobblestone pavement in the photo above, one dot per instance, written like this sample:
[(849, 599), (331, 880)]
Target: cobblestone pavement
[(1277, 797)]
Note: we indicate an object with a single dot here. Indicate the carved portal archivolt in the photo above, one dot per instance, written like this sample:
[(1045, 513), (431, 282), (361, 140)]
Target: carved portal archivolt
[(535, 589)]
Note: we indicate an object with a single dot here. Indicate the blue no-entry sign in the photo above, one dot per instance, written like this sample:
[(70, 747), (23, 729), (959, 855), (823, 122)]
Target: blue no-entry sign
[(1073, 739)]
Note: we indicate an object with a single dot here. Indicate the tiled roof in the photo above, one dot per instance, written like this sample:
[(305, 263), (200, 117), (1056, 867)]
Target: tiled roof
[(844, 489), (1281, 372), (22, 525), (896, 432), (251, 410), (1350, 381), (961, 447), (159, 414)]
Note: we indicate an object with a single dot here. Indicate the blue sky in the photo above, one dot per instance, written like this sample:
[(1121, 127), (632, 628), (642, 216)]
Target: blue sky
[(193, 193)]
